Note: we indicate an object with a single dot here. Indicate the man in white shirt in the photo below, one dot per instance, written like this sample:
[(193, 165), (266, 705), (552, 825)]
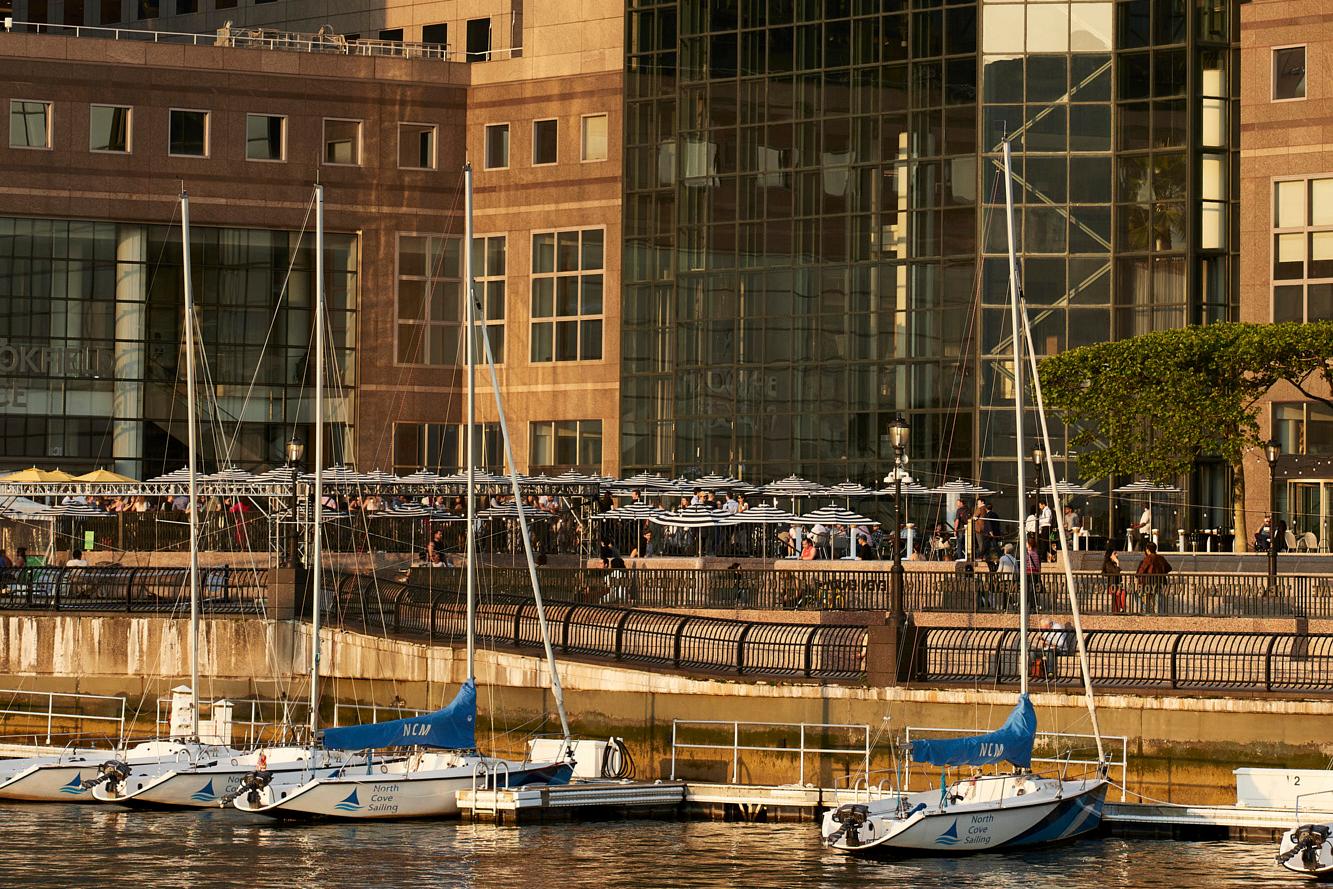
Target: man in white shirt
[(1045, 519), (1142, 529)]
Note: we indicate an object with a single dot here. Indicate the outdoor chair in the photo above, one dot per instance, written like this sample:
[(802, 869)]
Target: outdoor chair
[(1308, 543), (1291, 542)]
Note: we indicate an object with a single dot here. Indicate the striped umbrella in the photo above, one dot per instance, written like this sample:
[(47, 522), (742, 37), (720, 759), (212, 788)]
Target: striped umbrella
[(792, 486), (1142, 487), (639, 511), (837, 515), (643, 480), (423, 477), (176, 475), (1069, 489), (510, 511), (696, 517), (763, 514), (229, 474), (960, 488)]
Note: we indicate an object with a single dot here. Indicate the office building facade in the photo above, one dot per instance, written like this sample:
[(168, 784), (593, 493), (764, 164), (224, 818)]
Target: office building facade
[(814, 226)]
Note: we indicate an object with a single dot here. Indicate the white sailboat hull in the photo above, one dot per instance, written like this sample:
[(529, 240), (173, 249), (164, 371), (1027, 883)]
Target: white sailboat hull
[(204, 785), (1308, 850), (62, 780), (994, 817), (401, 792)]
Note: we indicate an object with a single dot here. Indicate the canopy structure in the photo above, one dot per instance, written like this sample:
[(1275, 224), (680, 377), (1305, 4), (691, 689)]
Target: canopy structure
[(453, 727), (849, 489), (37, 475), (510, 511), (644, 481), (104, 476), (836, 515), (1011, 741), (792, 486), (691, 517)]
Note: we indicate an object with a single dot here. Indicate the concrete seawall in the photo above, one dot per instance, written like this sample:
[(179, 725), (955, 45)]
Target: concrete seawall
[(1180, 748)]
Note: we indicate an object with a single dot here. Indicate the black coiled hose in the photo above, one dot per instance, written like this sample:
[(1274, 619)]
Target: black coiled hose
[(617, 763)]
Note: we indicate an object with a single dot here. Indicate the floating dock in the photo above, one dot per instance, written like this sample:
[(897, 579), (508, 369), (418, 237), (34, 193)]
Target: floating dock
[(691, 800)]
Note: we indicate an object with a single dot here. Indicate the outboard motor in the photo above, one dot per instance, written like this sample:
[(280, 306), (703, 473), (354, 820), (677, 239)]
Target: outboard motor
[(1306, 841), (251, 784), (852, 817), (111, 773)]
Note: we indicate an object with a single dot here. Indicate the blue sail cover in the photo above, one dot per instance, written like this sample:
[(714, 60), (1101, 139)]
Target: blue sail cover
[(1011, 741), (453, 727)]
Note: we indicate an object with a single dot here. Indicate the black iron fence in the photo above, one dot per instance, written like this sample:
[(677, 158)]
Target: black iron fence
[(1178, 594), (627, 635), (1187, 660), (224, 590)]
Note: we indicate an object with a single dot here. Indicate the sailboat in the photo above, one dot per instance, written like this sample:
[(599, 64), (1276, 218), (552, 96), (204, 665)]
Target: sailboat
[(63, 780), (444, 757), (985, 813), (216, 775)]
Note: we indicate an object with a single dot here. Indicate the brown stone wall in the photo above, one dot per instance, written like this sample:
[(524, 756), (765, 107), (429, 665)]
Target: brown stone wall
[(1278, 139)]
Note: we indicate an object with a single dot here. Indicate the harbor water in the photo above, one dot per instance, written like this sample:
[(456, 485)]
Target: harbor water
[(76, 845)]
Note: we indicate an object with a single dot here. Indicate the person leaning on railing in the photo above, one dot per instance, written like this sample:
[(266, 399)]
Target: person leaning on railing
[(1115, 590), (1153, 571)]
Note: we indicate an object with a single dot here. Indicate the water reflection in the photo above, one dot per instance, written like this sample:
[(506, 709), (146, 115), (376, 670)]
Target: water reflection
[(50, 846)]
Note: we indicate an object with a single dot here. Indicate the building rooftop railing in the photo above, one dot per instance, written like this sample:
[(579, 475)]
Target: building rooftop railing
[(266, 38)]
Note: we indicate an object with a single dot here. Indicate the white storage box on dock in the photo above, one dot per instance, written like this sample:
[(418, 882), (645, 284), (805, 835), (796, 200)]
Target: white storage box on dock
[(587, 754), (1279, 788)]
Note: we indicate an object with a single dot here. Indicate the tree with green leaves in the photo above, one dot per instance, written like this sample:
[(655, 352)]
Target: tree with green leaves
[(1153, 404)]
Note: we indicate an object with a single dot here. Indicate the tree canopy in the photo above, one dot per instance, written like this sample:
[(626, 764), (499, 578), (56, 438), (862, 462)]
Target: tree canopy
[(1150, 405)]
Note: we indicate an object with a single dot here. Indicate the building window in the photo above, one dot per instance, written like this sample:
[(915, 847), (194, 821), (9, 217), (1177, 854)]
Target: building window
[(110, 12), (497, 146), (560, 445), (392, 35), (1289, 73), (567, 295), (148, 9), (1303, 427), (1303, 249), (188, 135), (428, 309), (109, 128), (416, 146), (186, 7), (478, 40), (488, 269), (29, 124), (545, 136), (265, 137), (342, 142), (435, 34), (593, 138), (433, 446)]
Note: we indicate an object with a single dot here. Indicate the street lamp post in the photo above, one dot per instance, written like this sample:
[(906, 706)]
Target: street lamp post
[(294, 450), (1272, 450), (899, 433)]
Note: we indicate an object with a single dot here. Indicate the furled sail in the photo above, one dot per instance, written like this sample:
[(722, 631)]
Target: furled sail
[(452, 727), (1011, 741)]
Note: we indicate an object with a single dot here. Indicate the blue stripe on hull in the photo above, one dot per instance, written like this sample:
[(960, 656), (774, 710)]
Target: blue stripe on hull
[(1074, 817)]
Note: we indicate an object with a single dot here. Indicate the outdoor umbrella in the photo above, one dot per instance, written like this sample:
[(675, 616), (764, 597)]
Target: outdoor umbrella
[(1069, 489), (960, 488), (639, 511), (423, 477), (38, 476), (763, 514), (643, 480), (104, 476), (696, 517), (837, 515), (1147, 489)]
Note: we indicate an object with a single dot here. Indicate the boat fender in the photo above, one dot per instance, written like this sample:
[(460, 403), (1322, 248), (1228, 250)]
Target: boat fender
[(235, 761), (384, 770)]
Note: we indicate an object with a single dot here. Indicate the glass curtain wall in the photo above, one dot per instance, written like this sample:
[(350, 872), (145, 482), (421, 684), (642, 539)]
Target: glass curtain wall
[(814, 228), (91, 367)]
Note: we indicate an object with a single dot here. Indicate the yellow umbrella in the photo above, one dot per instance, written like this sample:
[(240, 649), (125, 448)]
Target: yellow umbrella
[(104, 475), (38, 475)]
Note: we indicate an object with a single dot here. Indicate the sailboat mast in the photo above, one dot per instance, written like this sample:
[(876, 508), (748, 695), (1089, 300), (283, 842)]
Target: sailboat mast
[(317, 527), (1023, 654), (470, 356), (192, 470), (1065, 548)]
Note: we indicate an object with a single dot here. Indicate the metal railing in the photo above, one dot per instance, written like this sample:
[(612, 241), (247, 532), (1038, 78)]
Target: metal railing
[(1185, 660), (802, 750), (225, 590), (627, 635), (1180, 594), (1047, 739), (365, 713), (40, 707), (271, 39), (254, 721)]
